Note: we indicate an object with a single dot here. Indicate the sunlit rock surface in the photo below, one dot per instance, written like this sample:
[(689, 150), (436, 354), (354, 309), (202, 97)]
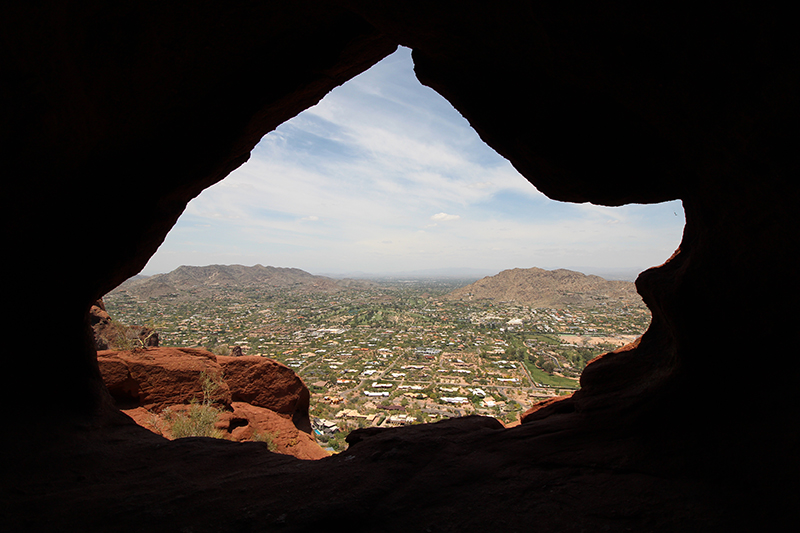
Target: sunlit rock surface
[(251, 398)]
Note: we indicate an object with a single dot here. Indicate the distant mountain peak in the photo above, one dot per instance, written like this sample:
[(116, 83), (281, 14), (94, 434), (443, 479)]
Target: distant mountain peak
[(204, 281), (537, 287)]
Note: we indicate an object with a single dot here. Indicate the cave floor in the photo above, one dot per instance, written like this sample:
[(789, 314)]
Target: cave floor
[(468, 474)]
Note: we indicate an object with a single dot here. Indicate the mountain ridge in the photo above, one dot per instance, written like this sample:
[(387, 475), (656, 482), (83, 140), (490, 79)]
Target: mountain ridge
[(205, 280), (538, 287), (533, 286)]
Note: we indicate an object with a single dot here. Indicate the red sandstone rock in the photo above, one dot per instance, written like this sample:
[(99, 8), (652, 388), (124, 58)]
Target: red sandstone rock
[(110, 335), (244, 422), (101, 323), (145, 418), (263, 423), (264, 382), (157, 377)]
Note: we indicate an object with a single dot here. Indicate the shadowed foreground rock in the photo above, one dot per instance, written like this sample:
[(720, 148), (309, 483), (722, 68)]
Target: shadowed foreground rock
[(460, 475), (136, 107)]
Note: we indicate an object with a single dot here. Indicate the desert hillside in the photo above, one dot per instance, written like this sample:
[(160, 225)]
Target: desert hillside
[(205, 281), (537, 287)]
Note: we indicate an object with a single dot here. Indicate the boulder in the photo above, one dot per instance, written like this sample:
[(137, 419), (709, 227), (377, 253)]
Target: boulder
[(155, 378), (101, 324), (252, 423), (146, 382), (266, 383), (236, 351), (113, 335), (242, 423)]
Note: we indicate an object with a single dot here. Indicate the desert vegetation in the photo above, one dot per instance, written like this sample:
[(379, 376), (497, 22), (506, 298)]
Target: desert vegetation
[(197, 419)]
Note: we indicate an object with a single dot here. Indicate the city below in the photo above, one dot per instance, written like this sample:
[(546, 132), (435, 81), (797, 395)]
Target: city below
[(392, 352)]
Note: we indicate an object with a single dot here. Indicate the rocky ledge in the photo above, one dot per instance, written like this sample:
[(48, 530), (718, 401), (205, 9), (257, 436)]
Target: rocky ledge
[(247, 398)]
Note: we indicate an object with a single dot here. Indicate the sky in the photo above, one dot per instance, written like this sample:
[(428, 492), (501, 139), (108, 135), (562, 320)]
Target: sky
[(384, 176)]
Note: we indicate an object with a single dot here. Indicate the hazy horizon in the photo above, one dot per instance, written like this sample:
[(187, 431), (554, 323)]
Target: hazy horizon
[(627, 274), (384, 176)]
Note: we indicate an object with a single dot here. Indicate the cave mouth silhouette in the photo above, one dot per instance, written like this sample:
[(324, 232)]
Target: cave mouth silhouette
[(253, 192), (130, 111)]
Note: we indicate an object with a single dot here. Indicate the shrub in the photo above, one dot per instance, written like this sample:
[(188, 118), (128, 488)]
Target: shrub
[(119, 337), (210, 385), (268, 438), (197, 421)]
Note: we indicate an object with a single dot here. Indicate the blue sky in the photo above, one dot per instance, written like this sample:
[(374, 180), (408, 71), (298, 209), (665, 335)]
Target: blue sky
[(383, 176)]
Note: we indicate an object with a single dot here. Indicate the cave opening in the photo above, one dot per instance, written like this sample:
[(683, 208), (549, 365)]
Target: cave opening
[(141, 106), (385, 180)]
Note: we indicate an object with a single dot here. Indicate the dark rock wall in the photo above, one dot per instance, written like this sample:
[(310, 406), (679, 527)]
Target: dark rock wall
[(621, 102), (115, 115)]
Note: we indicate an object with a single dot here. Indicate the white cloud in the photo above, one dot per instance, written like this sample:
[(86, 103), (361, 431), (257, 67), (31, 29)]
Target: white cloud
[(441, 217)]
